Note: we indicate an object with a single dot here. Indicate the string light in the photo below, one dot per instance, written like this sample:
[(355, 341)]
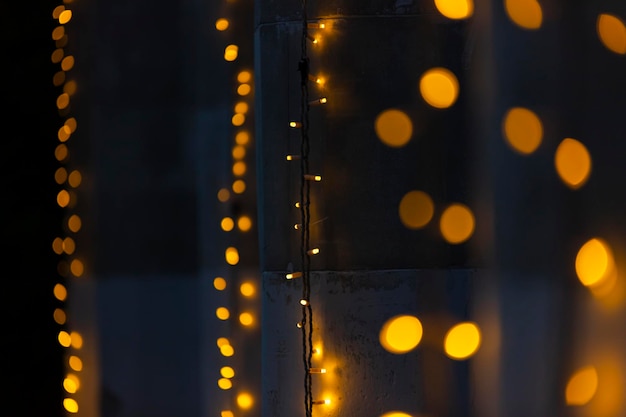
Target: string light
[(293, 275), (321, 100), (321, 402), (292, 157), (317, 370), (295, 125), (313, 251), (310, 177), (304, 302)]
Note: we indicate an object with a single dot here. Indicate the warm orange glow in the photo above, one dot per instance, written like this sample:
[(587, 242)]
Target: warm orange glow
[(231, 52), (58, 33), (462, 340), (526, 14), (74, 223), (582, 386), (57, 245), (70, 87), (71, 124), (242, 138), (401, 334), (393, 127), (245, 401), (222, 341), (239, 186), (222, 313), (77, 340), (57, 55), (74, 179), (63, 198), (244, 77), (219, 283), (244, 89), (70, 405), (58, 78), (573, 163), (594, 262), (225, 383), (77, 268), (57, 11), (65, 16), (395, 414), (439, 87), (244, 223), (457, 223), (67, 63), (416, 209), (241, 107), (60, 292), (455, 9), (239, 152), (612, 33), (221, 24), (68, 245), (227, 413), (227, 372), (63, 101), (223, 195), (64, 338), (522, 130), (59, 316), (75, 363), (61, 152), (247, 289), (70, 385), (232, 256), (227, 224), (239, 168), (238, 119), (246, 319), (60, 175)]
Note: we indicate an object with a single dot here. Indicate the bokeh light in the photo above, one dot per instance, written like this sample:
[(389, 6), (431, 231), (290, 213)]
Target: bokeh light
[(522, 130), (219, 283), (401, 334), (462, 340), (594, 262), (393, 127), (573, 163), (244, 223), (245, 401), (221, 24), (227, 224), (439, 87), (455, 9), (227, 372), (526, 14), (612, 33), (457, 223), (416, 209), (70, 405), (232, 256), (231, 52), (395, 414), (225, 383), (246, 319), (222, 313), (247, 289), (582, 386)]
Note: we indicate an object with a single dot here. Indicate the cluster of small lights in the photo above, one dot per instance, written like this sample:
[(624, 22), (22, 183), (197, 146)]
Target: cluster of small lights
[(69, 180)]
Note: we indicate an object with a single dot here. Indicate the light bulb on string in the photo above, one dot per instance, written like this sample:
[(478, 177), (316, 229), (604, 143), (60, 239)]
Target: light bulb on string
[(295, 125), (317, 370), (316, 25), (321, 100), (313, 251), (321, 402), (310, 177), (292, 157), (304, 302), (312, 39), (293, 275), (317, 80)]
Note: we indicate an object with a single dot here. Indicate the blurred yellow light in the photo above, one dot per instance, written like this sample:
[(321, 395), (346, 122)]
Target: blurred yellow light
[(64, 338), (57, 55), (247, 289), (239, 168), (231, 52), (60, 292), (77, 268), (582, 386), (61, 152), (395, 414), (226, 413), (65, 16), (60, 175), (244, 223), (462, 340), (573, 163), (238, 119), (416, 209), (68, 245), (58, 78), (246, 319), (67, 63), (63, 134), (57, 11), (70, 405), (222, 313), (225, 383), (439, 87), (594, 262), (232, 256), (245, 401), (71, 124), (221, 24), (522, 130), (393, 127), (457, 223), (74, 179), (401, 334), (244, 89), (77, 340), (227, 224), (70, 385), (76, 363), (223, 195), (612, 33), (63, 101), (219, 283), (227, 372), (455, 9), (222, 341), (526, 14), (58, 32), (63, 198), (244, 76), (239, 186), (74, 223), (59, 316), (242, 138), (241, 107), (57, 245), (239, 152), (70, 87)]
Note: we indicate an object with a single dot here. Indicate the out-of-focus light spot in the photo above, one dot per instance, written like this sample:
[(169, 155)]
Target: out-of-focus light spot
[(242, 138), (227, 372), (582, 386), (77, 268), (75, 363), (70, 87), (239, 168), (462, 340), (401, 334), (57, 55), (68, 245), (247, 289), (63, 198), (70, 385), (244, 223), (393, 127), (59, 316), (227, 224), (75, 379), (61, 152), (74, 179), (439, 87), (60, 292), (238, 119), (64, 338), (63, 101), (70, 405), (222, 313), (241, 107), (594, 262), (57, 245), (223, 195), (71, 124), (225, 383), (60, 175), (231, 52), (239, 152), (58, 78), (77, 340), (416, 209), (573, 163), (244, 89), (57, 11), (612, 33), (67, 63), (232, 256), (245, 401), (58, 33), (244, 77), (246, 319), (65, 16), (219, 283), (457, 223), (522, 130), (395, 414), (61, 43), (455, 9), (221, 24), (74, 223), (222, 341), (227, 413), (239, 186), (227, 350), (63, 134), (526, 14)]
